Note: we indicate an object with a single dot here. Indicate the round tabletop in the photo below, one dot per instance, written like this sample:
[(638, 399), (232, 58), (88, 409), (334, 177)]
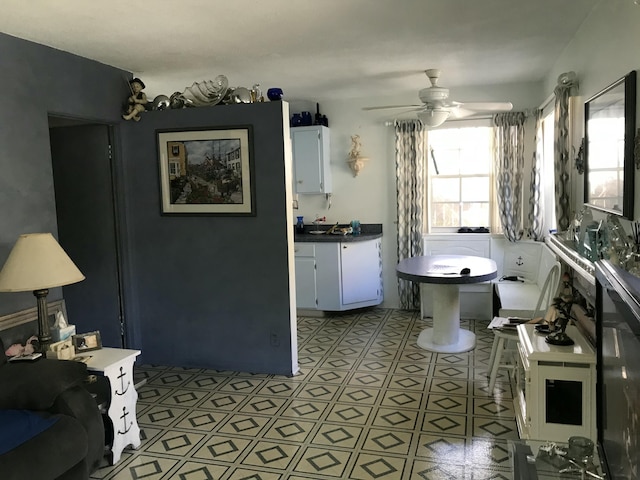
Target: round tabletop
[(446, 269)]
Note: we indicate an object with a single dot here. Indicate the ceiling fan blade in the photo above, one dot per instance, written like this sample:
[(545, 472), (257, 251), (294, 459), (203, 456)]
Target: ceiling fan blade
[(388, 107), (488, 106)]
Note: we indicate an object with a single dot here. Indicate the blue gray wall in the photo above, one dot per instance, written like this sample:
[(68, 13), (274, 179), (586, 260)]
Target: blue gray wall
[(209, 290), (198, 290), (37, 80)]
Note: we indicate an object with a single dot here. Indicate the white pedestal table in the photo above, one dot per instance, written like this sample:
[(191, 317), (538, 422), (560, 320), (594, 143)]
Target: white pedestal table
[(444, 273)]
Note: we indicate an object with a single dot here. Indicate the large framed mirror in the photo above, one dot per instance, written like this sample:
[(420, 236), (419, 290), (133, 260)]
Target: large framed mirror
[(610, 123)]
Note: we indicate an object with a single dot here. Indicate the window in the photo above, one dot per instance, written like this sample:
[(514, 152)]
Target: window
[(460, 178), (548, 180)]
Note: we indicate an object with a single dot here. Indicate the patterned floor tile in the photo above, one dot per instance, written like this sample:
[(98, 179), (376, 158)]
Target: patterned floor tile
[(373, 466), (272, 455), (388, 441), (147, 467), (447, 403), (200, 471), (422, 470), (222, 448), (323, 461), (290, 430), (175, 443), (444, 423), (442, 449), (367, 404), (343, 436), (395, 418)]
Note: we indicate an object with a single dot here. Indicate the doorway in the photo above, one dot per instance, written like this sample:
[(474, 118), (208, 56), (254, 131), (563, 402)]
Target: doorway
[(86, 210)]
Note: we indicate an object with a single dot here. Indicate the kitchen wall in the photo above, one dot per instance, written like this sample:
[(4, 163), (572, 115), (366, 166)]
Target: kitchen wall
[(602, 51)]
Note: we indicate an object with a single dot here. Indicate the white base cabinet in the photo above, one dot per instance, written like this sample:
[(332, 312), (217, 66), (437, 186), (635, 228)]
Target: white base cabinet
[(555, 387), (338, 275)]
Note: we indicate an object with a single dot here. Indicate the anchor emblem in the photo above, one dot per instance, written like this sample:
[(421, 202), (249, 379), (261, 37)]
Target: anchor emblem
[(124, 422), (123, 387), (519, 261)]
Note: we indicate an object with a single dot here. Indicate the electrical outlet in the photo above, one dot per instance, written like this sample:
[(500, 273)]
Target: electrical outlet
[(275, 340)]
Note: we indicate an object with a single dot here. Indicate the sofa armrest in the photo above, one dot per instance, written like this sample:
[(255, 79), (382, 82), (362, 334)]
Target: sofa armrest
[(35, 385)]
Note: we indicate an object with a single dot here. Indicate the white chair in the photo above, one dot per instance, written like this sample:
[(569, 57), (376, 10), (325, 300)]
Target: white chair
[(504, 341)]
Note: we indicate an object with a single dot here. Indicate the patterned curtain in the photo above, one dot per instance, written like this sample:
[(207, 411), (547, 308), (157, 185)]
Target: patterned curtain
[(566, 82), (509, 167), (410, 191), (536, 200)]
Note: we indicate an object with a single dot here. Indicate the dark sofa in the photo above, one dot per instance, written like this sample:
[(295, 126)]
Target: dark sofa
[(67, 442)]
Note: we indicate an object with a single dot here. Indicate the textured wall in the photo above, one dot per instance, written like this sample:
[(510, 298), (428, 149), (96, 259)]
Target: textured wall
[(211, 291), (36, 81)]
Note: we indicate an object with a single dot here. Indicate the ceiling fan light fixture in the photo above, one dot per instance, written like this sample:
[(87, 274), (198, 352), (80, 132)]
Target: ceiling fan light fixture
[(434, 117)]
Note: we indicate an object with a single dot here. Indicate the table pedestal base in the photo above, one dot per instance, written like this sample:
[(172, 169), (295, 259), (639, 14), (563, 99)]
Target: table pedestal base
[(446, 335)]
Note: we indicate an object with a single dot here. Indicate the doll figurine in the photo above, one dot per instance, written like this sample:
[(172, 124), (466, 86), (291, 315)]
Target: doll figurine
[(137, 102)]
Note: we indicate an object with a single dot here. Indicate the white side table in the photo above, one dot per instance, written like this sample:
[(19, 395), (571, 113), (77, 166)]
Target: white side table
[(555, 392), (116, 365)]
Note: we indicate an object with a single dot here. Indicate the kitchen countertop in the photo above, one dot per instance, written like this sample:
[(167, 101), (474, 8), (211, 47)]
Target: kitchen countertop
[(370, 231)]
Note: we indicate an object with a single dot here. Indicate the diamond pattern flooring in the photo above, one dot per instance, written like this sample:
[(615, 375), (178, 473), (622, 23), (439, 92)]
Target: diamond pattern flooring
[(368, 404)]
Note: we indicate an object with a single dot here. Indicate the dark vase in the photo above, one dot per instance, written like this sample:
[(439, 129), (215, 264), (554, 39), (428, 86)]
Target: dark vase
[(307, 119), (296, 120), (275, 94)]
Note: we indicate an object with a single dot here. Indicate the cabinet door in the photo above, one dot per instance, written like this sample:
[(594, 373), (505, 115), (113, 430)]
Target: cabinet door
[(306, 282), (310, 146), (360, 269)]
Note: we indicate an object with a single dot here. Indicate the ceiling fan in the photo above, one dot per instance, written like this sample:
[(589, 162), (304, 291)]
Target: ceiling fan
[(436, 107)]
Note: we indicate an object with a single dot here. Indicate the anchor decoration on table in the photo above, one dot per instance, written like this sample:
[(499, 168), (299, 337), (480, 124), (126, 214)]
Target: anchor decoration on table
[(124, 422), (519, 261), (123, 387)]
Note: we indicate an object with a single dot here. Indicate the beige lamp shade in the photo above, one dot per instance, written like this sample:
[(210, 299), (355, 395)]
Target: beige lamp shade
[(37, 262)]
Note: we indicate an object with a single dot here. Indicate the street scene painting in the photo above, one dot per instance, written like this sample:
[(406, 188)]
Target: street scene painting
[(206, 171)]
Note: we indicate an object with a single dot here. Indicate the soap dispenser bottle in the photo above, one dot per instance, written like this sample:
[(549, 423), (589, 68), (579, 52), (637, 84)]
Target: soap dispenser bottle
[(300, 225)]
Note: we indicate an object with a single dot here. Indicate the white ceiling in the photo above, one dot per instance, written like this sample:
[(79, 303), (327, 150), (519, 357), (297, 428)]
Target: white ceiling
[(311, 49)]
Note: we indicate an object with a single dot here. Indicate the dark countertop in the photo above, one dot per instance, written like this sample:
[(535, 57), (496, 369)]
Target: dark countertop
[(370, 231)]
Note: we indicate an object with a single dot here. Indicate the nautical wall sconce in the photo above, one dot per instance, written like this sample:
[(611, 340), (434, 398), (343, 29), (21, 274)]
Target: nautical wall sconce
[(356, 161)]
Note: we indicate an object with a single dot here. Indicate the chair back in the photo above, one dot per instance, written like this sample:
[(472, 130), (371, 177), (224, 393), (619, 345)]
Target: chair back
[(548, 290)]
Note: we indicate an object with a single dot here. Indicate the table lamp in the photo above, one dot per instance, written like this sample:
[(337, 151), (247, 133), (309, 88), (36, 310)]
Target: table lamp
[(37, 263)]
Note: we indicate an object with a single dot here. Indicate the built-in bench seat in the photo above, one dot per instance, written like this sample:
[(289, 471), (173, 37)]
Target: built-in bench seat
[(527, 259), (532, 262)]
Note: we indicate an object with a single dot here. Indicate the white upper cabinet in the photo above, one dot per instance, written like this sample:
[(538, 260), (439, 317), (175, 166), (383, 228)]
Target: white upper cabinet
[(311, 147)]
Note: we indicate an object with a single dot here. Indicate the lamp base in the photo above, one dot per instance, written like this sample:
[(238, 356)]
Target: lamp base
[(559, 338), (44, 333)]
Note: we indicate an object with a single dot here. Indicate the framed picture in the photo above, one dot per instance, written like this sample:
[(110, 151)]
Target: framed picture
[(207, 171), (85, 342)]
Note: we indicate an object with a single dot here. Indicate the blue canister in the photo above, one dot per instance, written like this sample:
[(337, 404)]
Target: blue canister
[(274, 94), (296, 120), (300, 225), (307, 119)]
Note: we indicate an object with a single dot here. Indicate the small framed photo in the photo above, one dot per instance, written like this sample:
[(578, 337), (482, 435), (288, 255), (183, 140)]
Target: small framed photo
[(85, 342)]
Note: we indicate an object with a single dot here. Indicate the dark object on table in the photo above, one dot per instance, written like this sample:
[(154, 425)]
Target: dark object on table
[(473, 230), (523, 463), (465, 271), (559, 337), (69, 442)]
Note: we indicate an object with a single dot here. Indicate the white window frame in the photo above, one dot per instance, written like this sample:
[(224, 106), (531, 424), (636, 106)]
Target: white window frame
[(483, 122)]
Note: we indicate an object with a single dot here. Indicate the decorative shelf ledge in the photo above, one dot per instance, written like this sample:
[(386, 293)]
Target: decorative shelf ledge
[(585, 268)]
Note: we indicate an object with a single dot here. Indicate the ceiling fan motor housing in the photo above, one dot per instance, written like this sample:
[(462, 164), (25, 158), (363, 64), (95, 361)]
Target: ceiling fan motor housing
[(433, 94)]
